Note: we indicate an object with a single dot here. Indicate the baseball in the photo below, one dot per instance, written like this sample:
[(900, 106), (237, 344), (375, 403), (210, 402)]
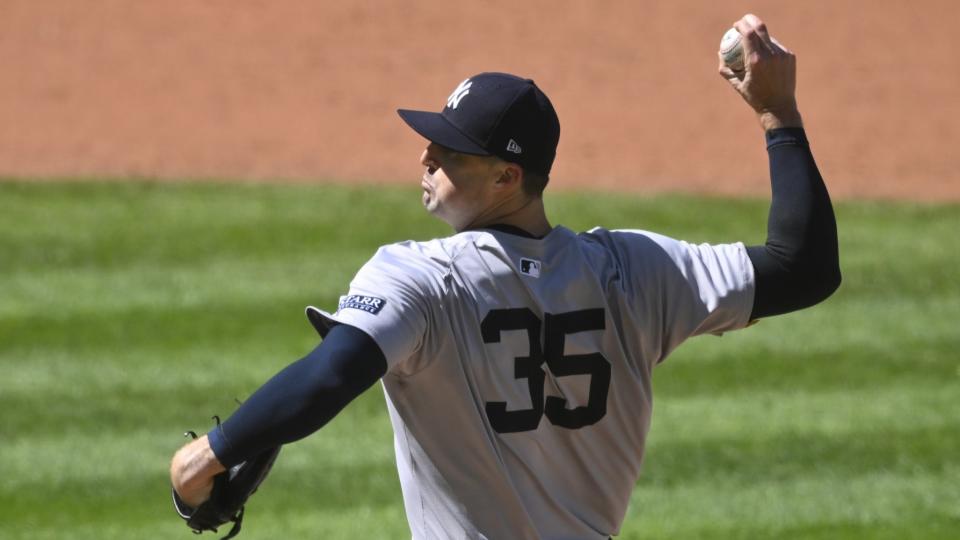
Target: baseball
[(731, 49)]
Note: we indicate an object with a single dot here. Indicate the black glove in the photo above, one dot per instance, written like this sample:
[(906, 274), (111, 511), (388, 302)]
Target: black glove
[(231, 489)]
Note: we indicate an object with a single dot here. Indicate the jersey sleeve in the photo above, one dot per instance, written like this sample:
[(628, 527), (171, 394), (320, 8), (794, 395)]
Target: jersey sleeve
[(677, 290), (389, 300)]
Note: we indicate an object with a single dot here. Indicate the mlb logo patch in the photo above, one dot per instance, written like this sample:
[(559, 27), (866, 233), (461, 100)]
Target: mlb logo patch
[(530, 267), (370, 304)]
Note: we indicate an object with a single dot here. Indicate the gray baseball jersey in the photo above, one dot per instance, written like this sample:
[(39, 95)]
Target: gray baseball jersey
[(519, 379)]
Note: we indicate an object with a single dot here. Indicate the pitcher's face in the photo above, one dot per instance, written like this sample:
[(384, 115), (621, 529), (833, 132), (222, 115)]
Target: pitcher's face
[(457, 187)]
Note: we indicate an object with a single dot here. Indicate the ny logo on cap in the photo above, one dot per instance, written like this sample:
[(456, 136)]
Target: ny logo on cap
[(454, 100)]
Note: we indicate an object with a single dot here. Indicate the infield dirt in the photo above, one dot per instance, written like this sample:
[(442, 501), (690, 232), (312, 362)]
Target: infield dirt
[(305, 91)]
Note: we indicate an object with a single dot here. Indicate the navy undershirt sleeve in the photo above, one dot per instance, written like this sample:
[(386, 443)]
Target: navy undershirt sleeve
[(302, 397), (799, 265)]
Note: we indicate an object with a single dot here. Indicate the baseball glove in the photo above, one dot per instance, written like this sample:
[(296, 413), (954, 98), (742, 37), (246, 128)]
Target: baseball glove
[(231, 489)]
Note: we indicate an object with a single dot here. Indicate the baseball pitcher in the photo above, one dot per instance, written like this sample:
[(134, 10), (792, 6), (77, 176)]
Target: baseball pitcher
[(516, 355)]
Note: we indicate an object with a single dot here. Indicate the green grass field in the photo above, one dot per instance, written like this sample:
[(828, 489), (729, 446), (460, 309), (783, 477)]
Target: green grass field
[(131, 312)]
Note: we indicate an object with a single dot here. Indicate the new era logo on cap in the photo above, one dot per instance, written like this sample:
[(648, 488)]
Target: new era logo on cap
[(501, 110)]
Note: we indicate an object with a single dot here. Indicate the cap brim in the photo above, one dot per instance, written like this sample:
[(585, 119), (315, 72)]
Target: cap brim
[(435, 128)]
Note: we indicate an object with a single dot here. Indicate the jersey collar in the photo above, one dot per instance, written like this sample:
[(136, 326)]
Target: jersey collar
[(511, 229)]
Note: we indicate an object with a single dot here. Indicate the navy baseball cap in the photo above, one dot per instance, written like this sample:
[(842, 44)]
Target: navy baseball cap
[(494, 114)]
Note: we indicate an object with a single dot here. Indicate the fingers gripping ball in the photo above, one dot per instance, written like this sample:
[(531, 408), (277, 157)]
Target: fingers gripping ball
[(731, 50), (231, 489)]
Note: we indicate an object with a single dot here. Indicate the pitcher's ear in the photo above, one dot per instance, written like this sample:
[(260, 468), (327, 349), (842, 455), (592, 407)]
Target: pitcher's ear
[(512, 174)]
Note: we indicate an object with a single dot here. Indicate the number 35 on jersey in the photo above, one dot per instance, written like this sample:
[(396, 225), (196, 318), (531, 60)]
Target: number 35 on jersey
[(555, 329)]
